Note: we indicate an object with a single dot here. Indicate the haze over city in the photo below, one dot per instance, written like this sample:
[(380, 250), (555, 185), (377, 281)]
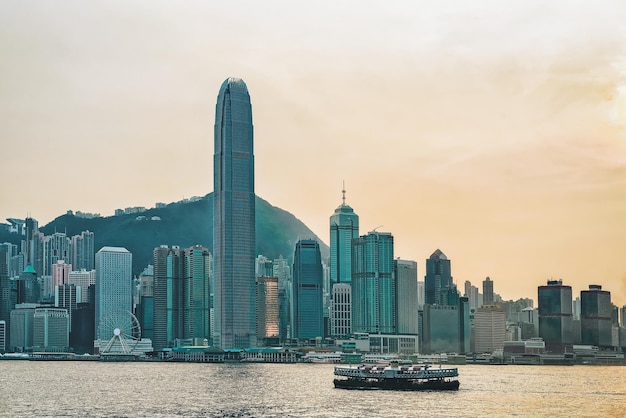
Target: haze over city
[(495, 132)]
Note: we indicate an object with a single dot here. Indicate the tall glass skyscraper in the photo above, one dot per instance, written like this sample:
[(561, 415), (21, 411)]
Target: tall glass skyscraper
[(114, 286), (307, 290), (344, 227), (374, 308), (555, 316), (234, 218), (438, 279)]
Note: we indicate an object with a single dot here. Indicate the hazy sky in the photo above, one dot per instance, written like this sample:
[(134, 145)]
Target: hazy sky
[(495, 131)]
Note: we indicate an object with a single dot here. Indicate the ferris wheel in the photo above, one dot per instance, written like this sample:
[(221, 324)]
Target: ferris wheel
[(123, 329)]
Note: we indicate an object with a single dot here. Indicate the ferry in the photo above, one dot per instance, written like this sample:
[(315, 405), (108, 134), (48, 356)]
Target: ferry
[(396, 377)]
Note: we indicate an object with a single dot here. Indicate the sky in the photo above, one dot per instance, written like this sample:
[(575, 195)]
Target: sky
[(494, 131)]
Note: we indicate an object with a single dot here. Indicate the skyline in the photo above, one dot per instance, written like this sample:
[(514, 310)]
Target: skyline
[(526, 186)]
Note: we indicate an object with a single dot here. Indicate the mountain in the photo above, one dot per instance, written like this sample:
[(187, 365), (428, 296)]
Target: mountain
[(185, 224)]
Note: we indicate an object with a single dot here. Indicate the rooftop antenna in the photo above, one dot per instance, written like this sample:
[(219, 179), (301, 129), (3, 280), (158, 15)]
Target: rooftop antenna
[(343, 192)]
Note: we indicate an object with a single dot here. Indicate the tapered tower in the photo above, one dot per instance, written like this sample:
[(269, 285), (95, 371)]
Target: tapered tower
[(234, 218)]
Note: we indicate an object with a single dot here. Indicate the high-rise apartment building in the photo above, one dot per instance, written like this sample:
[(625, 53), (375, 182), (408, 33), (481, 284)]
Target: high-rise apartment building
[(438, 279), (406, 282), (114, 286), (374, 308), (57, 246), (595, 316), (234, 237), (307, 290), (555, 315), (83, 252)]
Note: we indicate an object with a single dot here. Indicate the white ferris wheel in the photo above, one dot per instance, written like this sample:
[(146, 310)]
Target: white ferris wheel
[(123, 331)]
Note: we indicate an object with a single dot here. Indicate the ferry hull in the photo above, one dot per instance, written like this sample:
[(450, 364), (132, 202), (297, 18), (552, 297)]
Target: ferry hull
[(396, 384)]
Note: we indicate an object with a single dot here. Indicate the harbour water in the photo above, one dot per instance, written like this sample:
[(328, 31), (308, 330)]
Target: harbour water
[(101, 389)]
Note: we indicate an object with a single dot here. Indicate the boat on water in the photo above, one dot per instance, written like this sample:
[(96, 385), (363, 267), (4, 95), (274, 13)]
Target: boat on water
[(396, 377)]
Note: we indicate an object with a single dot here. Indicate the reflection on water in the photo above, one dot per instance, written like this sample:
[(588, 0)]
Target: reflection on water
[(79, 389)]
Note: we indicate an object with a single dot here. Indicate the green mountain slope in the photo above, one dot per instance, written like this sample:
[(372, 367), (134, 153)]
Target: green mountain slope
[(185, 224)]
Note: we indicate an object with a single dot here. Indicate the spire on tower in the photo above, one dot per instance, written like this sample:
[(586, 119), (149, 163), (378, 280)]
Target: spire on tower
[(343, 192)]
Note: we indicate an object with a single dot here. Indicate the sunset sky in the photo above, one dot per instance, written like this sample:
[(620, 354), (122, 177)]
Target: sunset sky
[(495, 131)]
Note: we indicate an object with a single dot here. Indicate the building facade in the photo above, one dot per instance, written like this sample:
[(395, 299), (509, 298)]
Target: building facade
[(341, 311), (82, 279), (234, 238), (83, 251), (308, 279), (181, 295), (374, 308), (555, 316), (595, 317), (267, 306), (438, 279), (51, 330), (489, 329), (114, 286), (488, 292), (406, 279), (344, 227)]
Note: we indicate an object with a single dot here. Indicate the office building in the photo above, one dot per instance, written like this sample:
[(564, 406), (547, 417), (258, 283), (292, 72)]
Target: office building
[(267, 305), (3, 336), (67, 296), (438, 279), (282, 271), (406, 279), (489, 329), (114, 287), (374, 308), (60, 276), (234, 239), (341, 311), (82, 279), (21, 330), (595, 317), (555, 316), (344, 227), (181, 295), (51, 329), (488, 292), (307, 290)]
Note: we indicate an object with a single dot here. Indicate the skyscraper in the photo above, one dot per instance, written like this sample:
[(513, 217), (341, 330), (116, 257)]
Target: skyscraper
[(487, 291), (438, 279), (234, 218), (374, 308), (267, 309), (555, 315), (406, 281), (344, 227), (83, 251), (595, 316), (114, 285), (307, 290)]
